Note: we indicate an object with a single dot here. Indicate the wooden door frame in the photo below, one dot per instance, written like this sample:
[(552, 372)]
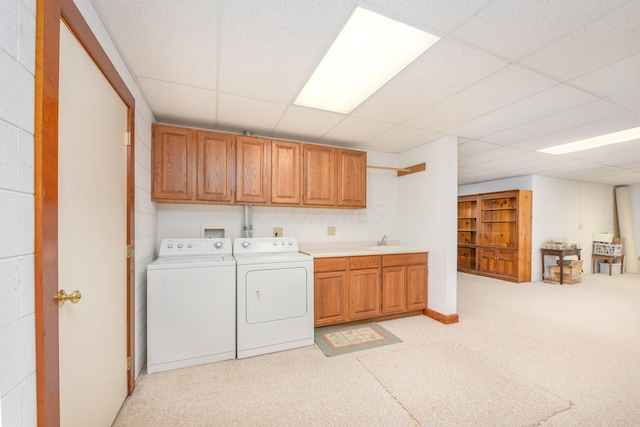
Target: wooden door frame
[(49, 14)]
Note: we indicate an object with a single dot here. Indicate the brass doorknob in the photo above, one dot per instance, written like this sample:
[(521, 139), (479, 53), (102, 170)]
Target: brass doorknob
[(63, 297)]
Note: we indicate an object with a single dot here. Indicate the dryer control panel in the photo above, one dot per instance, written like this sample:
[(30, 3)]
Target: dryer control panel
[(264, 245), (191, 247)]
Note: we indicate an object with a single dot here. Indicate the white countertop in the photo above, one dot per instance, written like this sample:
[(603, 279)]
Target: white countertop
[(337, 249)]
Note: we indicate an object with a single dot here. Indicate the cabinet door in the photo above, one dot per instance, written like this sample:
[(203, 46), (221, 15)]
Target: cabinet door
[(285, 172), (319, 175), (352, 178), (500, 263), (253, 170), (394, 298), (330, 297), (417, 288), (173, 157), (364, 289), (215, 167)]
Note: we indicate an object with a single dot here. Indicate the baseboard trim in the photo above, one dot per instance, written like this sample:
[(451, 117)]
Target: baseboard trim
[(447, 319)]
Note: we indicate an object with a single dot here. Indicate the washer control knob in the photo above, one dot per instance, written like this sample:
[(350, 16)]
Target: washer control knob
[(218, 245), (180, 245), (275, 243), (282, 243), (290, 243), (245, 244), (190, 245), (170, 245)]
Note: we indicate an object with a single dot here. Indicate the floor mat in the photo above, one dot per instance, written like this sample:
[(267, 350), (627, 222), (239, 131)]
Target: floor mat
[(335, 340)]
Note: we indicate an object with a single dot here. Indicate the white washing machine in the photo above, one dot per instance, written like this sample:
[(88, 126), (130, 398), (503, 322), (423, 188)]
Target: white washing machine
[(275, 295), (191, 304)]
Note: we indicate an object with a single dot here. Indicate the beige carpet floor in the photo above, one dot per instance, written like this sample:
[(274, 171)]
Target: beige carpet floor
[(532, 354)]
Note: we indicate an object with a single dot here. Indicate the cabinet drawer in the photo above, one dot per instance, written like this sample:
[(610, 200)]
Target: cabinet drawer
[(404, 259), (360, 262), (330, 264)]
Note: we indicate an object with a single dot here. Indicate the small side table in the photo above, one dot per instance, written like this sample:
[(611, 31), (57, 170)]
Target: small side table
[(560, 253)]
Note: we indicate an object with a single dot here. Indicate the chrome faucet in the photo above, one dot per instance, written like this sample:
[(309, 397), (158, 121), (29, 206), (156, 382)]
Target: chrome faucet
[(382, 242)]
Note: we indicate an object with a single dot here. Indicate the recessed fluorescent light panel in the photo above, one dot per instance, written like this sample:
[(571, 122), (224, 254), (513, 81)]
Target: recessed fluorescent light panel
[(369, 51), (596, 141)]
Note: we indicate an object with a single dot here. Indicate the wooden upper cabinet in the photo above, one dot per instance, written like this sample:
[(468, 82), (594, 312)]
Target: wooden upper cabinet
[(253, 170), (173, 155), (352, 178), (319, 175), (286, 172), (215, 166)]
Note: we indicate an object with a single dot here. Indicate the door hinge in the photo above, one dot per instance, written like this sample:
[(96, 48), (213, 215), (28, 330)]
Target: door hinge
[(127, 138), (128, 363), (128, 251)]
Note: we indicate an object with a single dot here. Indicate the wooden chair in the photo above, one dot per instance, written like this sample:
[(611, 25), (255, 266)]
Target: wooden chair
[(610, 259)]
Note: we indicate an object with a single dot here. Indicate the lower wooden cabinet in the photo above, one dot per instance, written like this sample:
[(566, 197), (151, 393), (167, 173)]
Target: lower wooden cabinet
[(498, 262), (368, 287)]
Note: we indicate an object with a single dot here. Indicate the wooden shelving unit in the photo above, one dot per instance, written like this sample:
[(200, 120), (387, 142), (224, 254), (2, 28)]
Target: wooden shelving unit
[(494, 234)]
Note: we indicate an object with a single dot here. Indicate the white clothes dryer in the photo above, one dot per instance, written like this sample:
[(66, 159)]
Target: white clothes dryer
[(274, 295), (191, 304)]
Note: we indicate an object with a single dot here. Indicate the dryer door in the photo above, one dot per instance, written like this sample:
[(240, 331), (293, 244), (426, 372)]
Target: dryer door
[(275, 294)]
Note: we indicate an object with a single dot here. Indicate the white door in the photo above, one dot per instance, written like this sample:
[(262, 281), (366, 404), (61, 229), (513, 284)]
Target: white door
[(92, 215)]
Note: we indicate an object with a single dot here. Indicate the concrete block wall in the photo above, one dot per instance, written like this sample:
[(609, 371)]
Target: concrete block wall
[(17, 307)]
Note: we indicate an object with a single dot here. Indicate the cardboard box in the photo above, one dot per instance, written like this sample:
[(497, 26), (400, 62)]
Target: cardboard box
[(572, 273), (604, 268)]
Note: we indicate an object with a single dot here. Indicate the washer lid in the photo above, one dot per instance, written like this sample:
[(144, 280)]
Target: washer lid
[(191, 262)]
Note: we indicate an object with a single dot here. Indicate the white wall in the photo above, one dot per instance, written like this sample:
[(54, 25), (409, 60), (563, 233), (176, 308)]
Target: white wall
[(428, 212), (562, 208), (634, 201), (305, 224), (17, 307), (17, 282)]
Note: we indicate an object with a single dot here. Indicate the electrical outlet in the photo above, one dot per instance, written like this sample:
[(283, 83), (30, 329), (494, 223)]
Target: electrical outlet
[(639, 258), (277, 232), (331, 231)]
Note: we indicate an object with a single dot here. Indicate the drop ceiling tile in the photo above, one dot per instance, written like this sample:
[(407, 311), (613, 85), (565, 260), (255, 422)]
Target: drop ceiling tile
[(542, 104), (270, 49), (520, 136), (622, 153), (480, 160), (179, 104), (306, 124), (399, 139), (445, 69), (607, 40), (473, 147), (516, 28), (164, 42), (239, 113), (355, 130), (601, 127), (626, 72), (443, 15), (505, 87), (630, 99), (473, 176)]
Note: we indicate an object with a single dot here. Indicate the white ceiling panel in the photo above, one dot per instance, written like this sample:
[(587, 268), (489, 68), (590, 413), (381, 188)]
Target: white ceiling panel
[(607, 40), (179, 104), (502, 88), (442, 15), (546, 103), (433, 77), (354, 130), (306, 124), (515, 28), (507, 77), (232, 114), (626, 72), (146, 30), (570, 119), (271, 48)]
